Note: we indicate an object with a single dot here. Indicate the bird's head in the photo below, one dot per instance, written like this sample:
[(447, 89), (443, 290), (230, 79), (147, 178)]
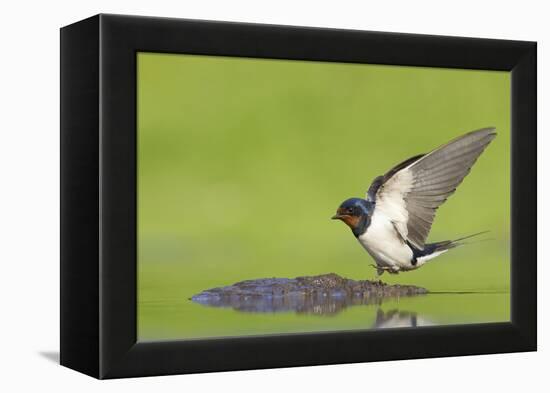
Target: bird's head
[(354, 212)]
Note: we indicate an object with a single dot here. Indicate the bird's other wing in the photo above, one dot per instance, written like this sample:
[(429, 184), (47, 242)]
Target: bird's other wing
[(410, 193)]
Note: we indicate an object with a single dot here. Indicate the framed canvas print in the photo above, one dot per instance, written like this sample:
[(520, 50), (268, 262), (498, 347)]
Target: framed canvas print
[(239, 196)]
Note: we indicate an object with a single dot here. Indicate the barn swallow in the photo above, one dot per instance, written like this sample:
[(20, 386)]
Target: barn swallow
[(394, 220)]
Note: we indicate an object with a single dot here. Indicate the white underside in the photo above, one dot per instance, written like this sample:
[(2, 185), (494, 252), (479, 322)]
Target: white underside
[(387, 247), (423, 260)]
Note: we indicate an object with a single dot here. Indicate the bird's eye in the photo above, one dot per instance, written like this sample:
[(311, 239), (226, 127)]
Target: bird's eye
[(350, 210)]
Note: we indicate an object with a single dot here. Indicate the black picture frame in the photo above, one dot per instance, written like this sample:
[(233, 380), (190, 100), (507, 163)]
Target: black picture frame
[(98, 195)]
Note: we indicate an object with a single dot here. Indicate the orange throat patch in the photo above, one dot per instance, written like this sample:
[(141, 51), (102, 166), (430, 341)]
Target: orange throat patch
[(351, 221)]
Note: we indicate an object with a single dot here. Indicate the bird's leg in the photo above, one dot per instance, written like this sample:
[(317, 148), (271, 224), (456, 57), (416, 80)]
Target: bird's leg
[(379, 271), (374, 266)]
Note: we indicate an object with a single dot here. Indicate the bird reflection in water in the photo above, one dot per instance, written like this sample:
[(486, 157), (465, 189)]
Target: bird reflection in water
[(399, 319)]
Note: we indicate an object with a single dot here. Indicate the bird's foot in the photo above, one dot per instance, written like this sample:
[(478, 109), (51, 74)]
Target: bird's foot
[(379, 271)]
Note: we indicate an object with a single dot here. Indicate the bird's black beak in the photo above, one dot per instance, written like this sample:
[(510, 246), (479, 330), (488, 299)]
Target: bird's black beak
[(340, 214)]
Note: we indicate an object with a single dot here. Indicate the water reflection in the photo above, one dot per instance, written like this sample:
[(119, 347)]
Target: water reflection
[(323, 303), (398, 319), (319, 303), (219, 316)]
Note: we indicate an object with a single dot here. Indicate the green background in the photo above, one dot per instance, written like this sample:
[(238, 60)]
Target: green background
[(241, 163)]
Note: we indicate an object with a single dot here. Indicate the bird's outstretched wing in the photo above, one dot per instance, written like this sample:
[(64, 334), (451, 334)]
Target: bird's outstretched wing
[(410, 193)]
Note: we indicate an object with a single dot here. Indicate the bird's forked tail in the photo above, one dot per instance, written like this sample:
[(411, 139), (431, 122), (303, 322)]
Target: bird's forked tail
[(433, 250)]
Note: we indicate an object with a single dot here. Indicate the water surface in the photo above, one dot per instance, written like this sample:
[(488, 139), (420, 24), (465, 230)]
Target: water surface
[(184, 319)]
